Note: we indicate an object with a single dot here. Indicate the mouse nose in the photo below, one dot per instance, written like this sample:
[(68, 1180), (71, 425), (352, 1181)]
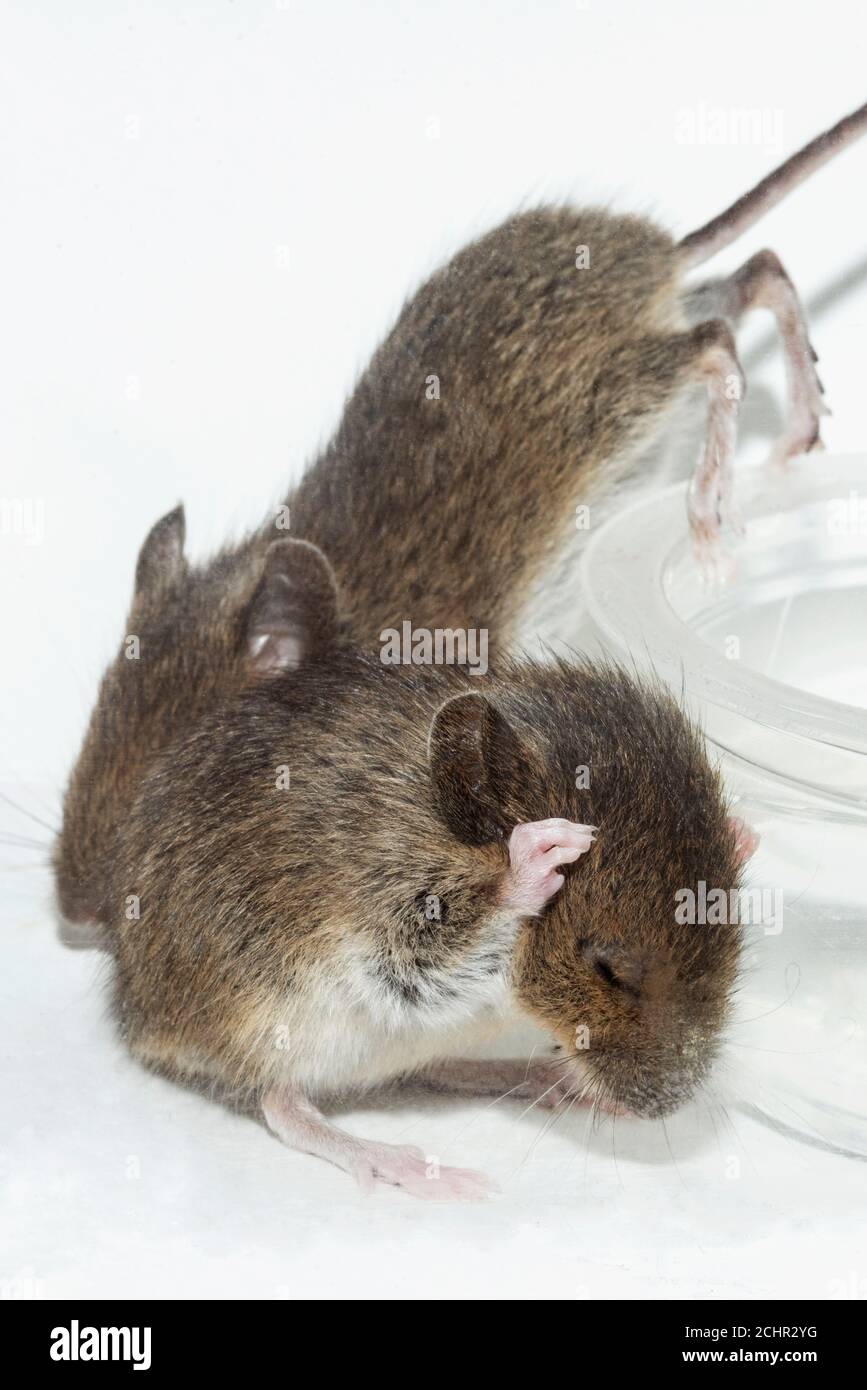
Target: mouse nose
[(74, 902), (83, 934), (79, 925)]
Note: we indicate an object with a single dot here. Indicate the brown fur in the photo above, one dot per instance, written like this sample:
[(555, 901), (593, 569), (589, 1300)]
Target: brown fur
[(250, 894), (444, 511), (441, 511)]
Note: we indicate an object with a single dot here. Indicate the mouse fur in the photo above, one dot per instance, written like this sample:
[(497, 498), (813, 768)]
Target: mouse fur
[(454, 506), (282, 858)]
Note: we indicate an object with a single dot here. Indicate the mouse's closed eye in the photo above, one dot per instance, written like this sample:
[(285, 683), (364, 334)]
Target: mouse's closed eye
[(614, 967)]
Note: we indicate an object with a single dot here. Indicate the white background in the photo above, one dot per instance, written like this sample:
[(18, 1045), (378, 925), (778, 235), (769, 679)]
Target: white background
[(211, 213)]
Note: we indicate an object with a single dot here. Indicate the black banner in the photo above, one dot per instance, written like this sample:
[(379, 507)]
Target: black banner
[(156, 1339)]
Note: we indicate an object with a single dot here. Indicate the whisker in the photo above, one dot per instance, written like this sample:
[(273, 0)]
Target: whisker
[(539, 1098), (22, 841), (578, 1096), (548, 1124), (459, 1134), (677, 1168), (31, 814), (709, 1108), (790, 1052), (742, 1022), (556, 1115), (738, 1140), (614, 1147)]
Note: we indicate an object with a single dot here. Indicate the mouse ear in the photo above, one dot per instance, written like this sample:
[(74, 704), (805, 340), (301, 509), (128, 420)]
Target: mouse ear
[(161, 558), (293, 615), (746, 839), (477, 763)]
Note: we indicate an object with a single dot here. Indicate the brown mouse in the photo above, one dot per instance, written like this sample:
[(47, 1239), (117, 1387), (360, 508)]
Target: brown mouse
[(525, 378), (346, 868)]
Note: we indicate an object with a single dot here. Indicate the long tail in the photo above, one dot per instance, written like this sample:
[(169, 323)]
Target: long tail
[(701, 245)]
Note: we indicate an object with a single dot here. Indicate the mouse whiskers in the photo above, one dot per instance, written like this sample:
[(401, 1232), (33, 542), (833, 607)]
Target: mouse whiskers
[(539, 1098), (23, 842), (31, 815), (557, 1113), (742, 1022)]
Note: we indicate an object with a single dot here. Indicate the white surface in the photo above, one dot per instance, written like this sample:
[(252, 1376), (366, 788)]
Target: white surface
[(118, 1184), (211, 213)]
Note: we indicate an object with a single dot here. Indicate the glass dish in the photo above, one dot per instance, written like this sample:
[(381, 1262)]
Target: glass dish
[(773, 663)]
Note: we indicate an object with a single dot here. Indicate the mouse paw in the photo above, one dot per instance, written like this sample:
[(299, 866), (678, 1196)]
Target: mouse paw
[(716, 565), (549, 1084), (803, 437), (409, 1168), (536, 848), (730, 516)]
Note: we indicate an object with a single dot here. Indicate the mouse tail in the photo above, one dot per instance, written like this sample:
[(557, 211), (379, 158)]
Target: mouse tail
[(729, 225)]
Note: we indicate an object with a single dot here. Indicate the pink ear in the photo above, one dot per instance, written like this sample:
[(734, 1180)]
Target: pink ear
[(747, 840)]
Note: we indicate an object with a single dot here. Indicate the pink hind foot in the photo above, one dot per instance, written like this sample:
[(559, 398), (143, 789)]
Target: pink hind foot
[(409, 1168), (299, 1124)]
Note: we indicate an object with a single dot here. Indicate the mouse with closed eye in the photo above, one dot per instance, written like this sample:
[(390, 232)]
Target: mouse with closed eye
[(526, 377), (346, 869)]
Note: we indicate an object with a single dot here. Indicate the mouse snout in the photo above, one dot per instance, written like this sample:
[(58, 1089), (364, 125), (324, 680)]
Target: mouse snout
[(660, 1072), (641, 1032), (76, 894), (75, 904)]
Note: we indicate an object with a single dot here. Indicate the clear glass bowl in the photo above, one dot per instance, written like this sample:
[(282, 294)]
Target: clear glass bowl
[(773, 663)]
